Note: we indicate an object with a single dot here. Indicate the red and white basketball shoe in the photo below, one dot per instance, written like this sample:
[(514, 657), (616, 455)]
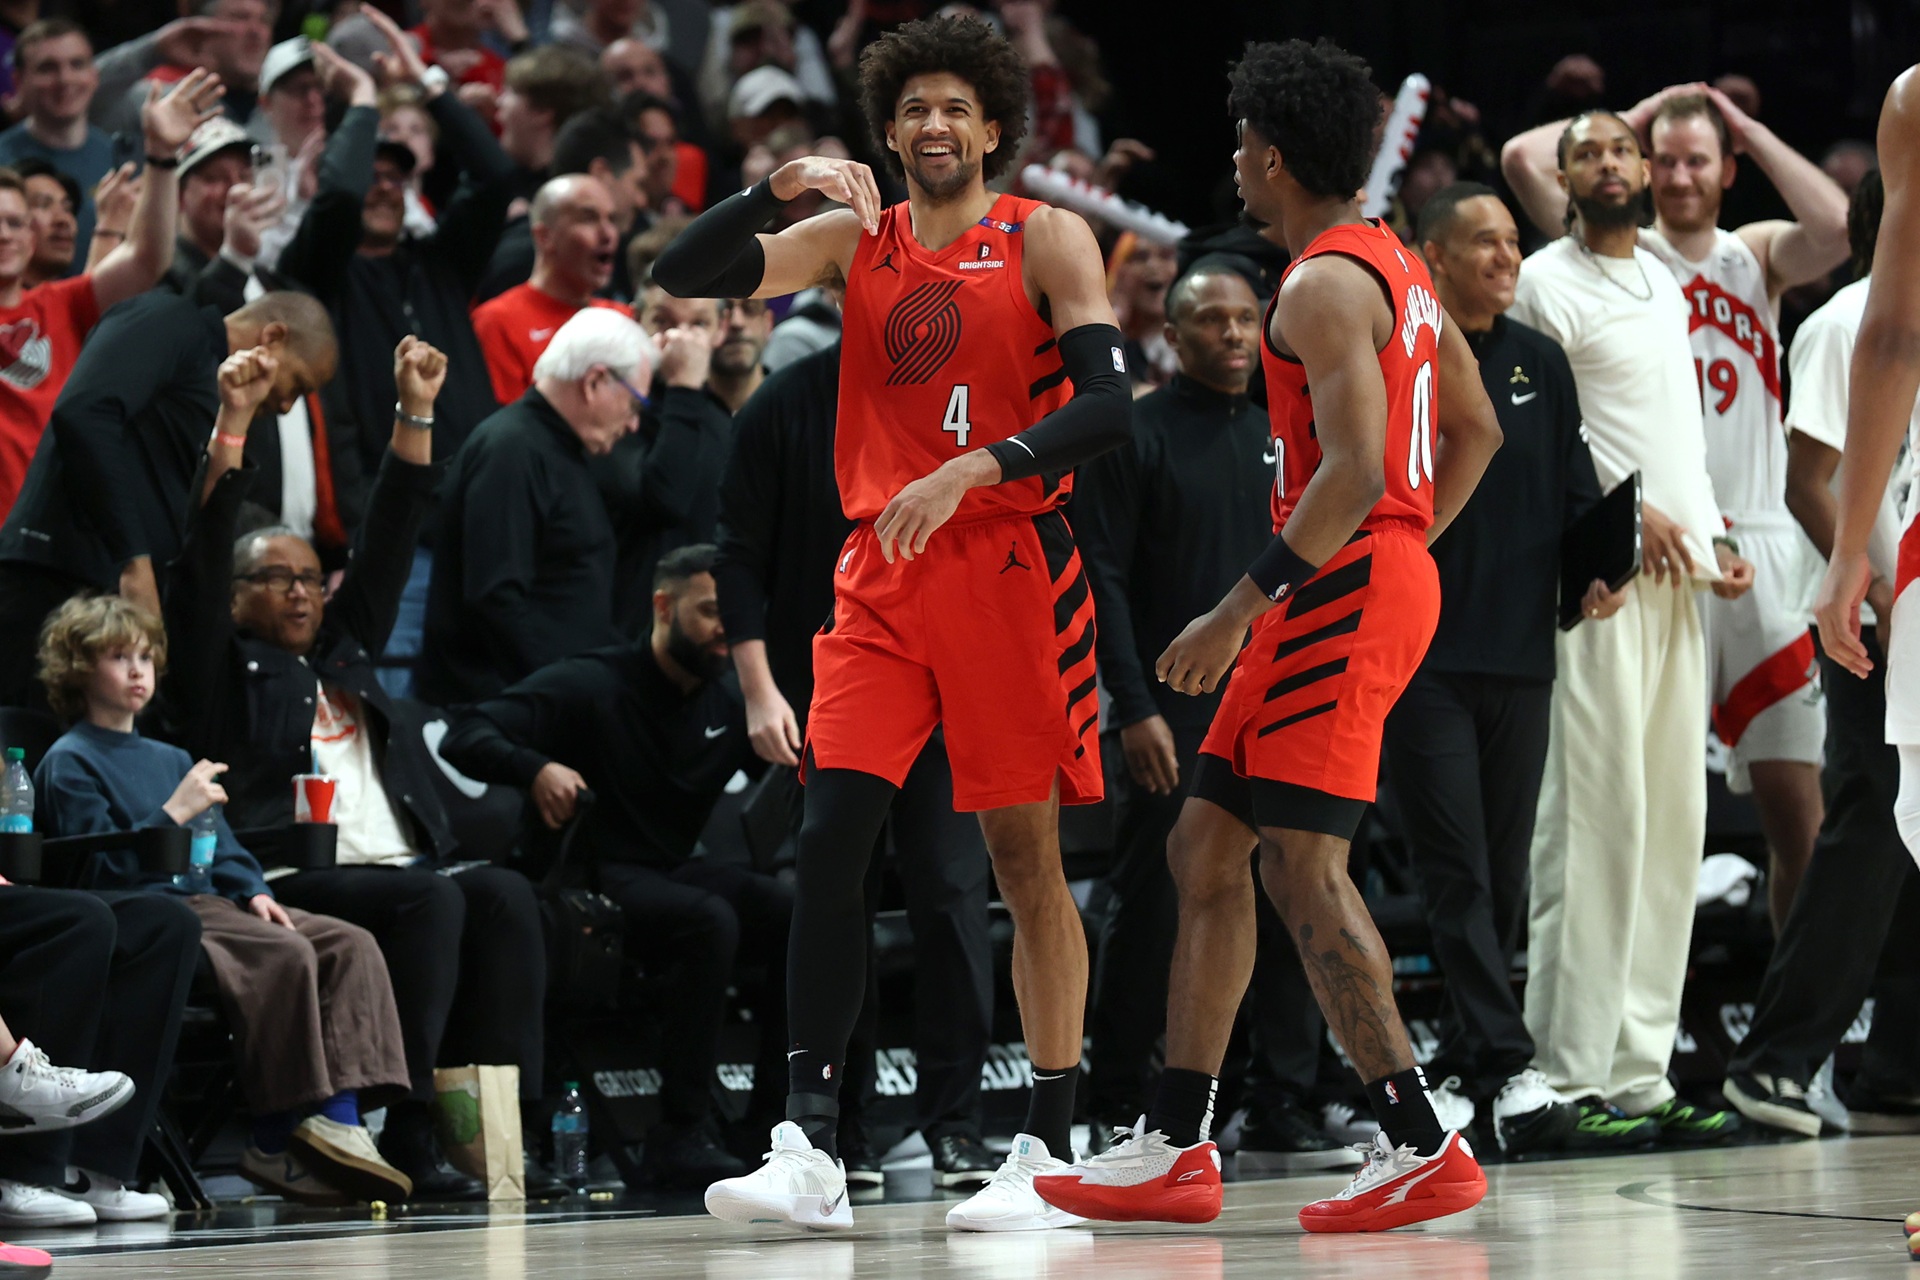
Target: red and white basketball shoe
[(1396, 1187), (1143, 1178)]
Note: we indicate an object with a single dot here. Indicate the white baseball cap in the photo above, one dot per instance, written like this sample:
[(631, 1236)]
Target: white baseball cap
[(759, 89), (288, 55)]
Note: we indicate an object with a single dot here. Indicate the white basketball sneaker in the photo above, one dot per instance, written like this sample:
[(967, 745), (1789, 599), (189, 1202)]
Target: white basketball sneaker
[(36, 1094), (1008, 1202), (796, 1187), (1453, 1108)]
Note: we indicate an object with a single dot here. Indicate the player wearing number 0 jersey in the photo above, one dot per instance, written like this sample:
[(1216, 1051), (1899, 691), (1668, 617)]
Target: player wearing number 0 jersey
[(1363, 373), (981, 362)]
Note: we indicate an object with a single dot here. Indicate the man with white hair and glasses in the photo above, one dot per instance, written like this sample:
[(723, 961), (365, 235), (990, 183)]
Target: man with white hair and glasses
[(523, 571)]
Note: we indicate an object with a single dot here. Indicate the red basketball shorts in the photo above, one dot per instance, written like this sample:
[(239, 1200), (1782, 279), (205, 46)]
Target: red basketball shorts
[(989, 633), (1310, 694)]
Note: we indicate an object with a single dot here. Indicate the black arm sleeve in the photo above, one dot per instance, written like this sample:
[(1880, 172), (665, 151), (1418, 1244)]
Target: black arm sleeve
[(719, 254), (1098, 418)]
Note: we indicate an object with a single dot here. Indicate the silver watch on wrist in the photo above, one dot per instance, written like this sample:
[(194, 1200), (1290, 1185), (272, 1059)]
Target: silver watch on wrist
[(436, 80), (414, 420)]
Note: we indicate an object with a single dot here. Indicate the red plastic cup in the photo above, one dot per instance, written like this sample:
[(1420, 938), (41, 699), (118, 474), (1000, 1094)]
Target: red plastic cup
[(312, 797)]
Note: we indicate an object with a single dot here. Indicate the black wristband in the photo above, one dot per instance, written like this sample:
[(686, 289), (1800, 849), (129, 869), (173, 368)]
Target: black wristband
[(1279, 570), (164, 162)]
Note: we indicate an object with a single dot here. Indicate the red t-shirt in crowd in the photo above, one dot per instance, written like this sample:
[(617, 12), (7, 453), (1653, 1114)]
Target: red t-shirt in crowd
[(487, 68), (39, 341), (515, 327)]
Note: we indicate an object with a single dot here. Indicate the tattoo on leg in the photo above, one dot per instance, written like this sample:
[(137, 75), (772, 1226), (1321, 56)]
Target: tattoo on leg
[(1361, 1014)]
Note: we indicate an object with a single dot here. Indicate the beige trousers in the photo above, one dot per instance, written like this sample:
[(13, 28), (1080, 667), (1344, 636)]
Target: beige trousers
[(1617, 848)]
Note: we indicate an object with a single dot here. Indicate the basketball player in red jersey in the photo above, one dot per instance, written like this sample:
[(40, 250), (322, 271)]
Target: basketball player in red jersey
[(960, 600), (1362, 372)]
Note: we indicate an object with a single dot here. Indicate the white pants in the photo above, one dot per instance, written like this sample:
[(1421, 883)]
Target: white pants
[(1617, 847), (1763, 675)]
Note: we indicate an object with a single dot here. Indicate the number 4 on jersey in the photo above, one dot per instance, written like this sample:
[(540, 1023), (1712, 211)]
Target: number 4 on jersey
[(956, 419)]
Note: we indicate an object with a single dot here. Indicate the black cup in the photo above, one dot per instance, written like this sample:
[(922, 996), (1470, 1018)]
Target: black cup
[(164, 851), (309, 846)]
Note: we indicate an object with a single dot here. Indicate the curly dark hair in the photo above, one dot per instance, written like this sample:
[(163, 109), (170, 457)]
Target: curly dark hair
[(1317, 103), (964, 47)]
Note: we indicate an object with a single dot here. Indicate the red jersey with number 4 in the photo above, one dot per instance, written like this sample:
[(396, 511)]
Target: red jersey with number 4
[(941, 354), (1406, 363)]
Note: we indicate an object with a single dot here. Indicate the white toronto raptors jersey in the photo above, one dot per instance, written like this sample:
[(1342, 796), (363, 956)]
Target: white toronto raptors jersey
[(1736, 356)]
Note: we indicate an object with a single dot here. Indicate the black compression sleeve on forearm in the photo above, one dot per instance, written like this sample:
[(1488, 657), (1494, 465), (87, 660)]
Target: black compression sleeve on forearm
[(719, 254), (1098, 418)]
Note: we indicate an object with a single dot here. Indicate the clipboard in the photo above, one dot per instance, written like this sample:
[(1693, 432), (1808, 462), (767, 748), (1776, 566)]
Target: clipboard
[(1603, 543)]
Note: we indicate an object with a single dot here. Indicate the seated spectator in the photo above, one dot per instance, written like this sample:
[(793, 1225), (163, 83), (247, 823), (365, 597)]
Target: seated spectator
[(53, 203), (293, 102), (676, 180), (228, 37), (54, 59), (595, 143), (657, 733), (524, 560), (761, 34), (269, 651), (546, 87), (110, 483), (576, 236), (121, 964), (307, 997), (763, 100), (48, 324)]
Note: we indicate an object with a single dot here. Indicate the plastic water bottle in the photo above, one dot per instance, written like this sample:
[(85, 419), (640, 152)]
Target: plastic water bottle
[(16, 805), (205, 827), (570, 1138)]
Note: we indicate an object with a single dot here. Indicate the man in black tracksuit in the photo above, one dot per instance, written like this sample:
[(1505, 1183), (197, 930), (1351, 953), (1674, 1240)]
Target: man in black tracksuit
[(656, 730), (1466, 743), (781, 531), (1167, 525)]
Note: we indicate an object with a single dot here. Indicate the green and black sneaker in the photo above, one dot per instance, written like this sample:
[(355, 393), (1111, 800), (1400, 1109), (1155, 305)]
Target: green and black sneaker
[(1608, 1128), (1684, 1125)]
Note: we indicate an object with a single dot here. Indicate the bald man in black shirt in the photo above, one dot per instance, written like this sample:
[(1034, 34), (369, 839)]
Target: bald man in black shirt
[(1466, 743)]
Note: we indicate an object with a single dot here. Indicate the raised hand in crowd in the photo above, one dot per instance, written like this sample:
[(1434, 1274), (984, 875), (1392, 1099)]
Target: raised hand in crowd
[(183, 42), (503, 17), (1120, 158), (686, 357), (306, 163), (419, 370), (168, 120), (342, 79), (199, 791), (403, 65), (1639, 116), (251, 210), (114, 200), (556, 792), (245, 380)]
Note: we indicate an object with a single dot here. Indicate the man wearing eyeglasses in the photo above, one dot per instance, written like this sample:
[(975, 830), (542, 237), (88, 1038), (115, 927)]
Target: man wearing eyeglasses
[(278, 680), (524, 559)]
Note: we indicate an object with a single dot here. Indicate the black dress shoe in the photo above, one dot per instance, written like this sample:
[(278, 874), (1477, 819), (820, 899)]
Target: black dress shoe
[(961, 1160), (859, 1157), (542, 1182), (689, 1157), (407, 1143)]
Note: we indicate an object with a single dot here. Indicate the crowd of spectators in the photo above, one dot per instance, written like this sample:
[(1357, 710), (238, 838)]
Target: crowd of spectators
[(336, 396)]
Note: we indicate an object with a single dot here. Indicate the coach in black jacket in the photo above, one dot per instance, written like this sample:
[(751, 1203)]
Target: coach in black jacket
[(271, 679)]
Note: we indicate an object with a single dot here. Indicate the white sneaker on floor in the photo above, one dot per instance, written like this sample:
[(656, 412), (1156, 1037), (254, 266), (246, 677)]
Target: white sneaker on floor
[(37, 1095), (1347, 1126), (1454, 1109), (111, 1199), (797, 1186), (1531, 1115), (24, 1205), (1008, 1202)]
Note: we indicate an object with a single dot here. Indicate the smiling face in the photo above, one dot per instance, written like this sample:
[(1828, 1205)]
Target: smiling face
[(940, 135), (1690, 174), (1476, 265), (54, 224), (237, 56), (203, 196), (58, 79)]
